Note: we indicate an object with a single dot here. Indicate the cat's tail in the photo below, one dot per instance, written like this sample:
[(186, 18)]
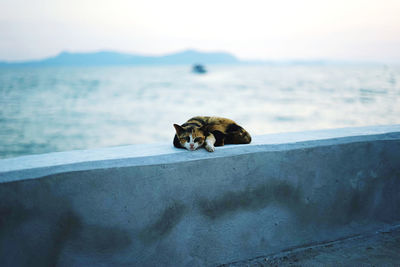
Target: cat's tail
[(245, 137), (240, 136)]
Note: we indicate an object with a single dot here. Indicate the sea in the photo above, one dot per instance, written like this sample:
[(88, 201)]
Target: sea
[(50, 109)]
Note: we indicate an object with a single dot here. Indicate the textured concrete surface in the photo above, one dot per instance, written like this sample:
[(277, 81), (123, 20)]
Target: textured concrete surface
[(380, 248), (179, 208)]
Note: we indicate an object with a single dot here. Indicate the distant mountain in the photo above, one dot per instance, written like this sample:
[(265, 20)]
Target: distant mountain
[(115, 58)]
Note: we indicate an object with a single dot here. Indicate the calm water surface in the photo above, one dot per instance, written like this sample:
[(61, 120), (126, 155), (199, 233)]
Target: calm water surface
[(65, 108)]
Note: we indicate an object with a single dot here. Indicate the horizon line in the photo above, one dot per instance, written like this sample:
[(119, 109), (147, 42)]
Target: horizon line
[(239, 59)]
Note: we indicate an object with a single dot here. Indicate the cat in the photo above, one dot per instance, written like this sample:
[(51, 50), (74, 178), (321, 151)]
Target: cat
[(209, 132)]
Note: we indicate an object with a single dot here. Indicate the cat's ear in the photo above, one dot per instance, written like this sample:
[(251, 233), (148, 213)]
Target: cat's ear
[(178, 129)]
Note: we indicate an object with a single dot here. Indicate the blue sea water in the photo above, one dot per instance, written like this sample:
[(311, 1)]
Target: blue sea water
[(47, 109)]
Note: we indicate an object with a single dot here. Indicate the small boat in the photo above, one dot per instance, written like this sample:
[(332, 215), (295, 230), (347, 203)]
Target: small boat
[(199, 69)]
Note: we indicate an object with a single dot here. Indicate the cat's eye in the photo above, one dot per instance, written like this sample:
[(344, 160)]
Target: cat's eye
[(197, 140), (187, 138)]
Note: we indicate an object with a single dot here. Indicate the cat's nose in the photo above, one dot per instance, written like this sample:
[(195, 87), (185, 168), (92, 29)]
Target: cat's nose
[(191, 146)]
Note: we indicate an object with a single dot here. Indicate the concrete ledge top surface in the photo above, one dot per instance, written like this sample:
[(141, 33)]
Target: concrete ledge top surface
[(35, 166)]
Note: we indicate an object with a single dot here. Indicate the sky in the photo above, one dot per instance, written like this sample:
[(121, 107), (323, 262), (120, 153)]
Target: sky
[(360, 30)]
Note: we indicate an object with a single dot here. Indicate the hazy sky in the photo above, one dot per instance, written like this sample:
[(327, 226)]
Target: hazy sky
[(279, 29)]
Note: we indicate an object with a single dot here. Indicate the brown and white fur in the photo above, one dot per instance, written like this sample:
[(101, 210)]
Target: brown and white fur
[(209, 132)]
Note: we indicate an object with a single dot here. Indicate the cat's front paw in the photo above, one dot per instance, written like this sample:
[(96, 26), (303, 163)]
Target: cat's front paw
[(210, 148)]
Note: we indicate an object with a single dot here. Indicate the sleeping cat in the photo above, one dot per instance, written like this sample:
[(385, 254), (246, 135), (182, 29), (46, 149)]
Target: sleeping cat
[(210, 132)]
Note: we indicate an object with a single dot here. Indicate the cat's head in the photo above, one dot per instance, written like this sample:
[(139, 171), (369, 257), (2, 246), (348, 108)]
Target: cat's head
[(190, 138)]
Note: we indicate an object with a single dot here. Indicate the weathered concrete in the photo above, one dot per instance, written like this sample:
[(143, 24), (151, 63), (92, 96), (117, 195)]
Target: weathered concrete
[(379, 248), (154, 205)]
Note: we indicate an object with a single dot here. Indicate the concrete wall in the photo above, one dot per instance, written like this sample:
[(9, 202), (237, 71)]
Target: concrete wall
[(153, 205)]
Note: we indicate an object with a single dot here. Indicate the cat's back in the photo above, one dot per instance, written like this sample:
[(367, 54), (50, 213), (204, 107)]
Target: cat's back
[(211, 124), (210, 121)]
